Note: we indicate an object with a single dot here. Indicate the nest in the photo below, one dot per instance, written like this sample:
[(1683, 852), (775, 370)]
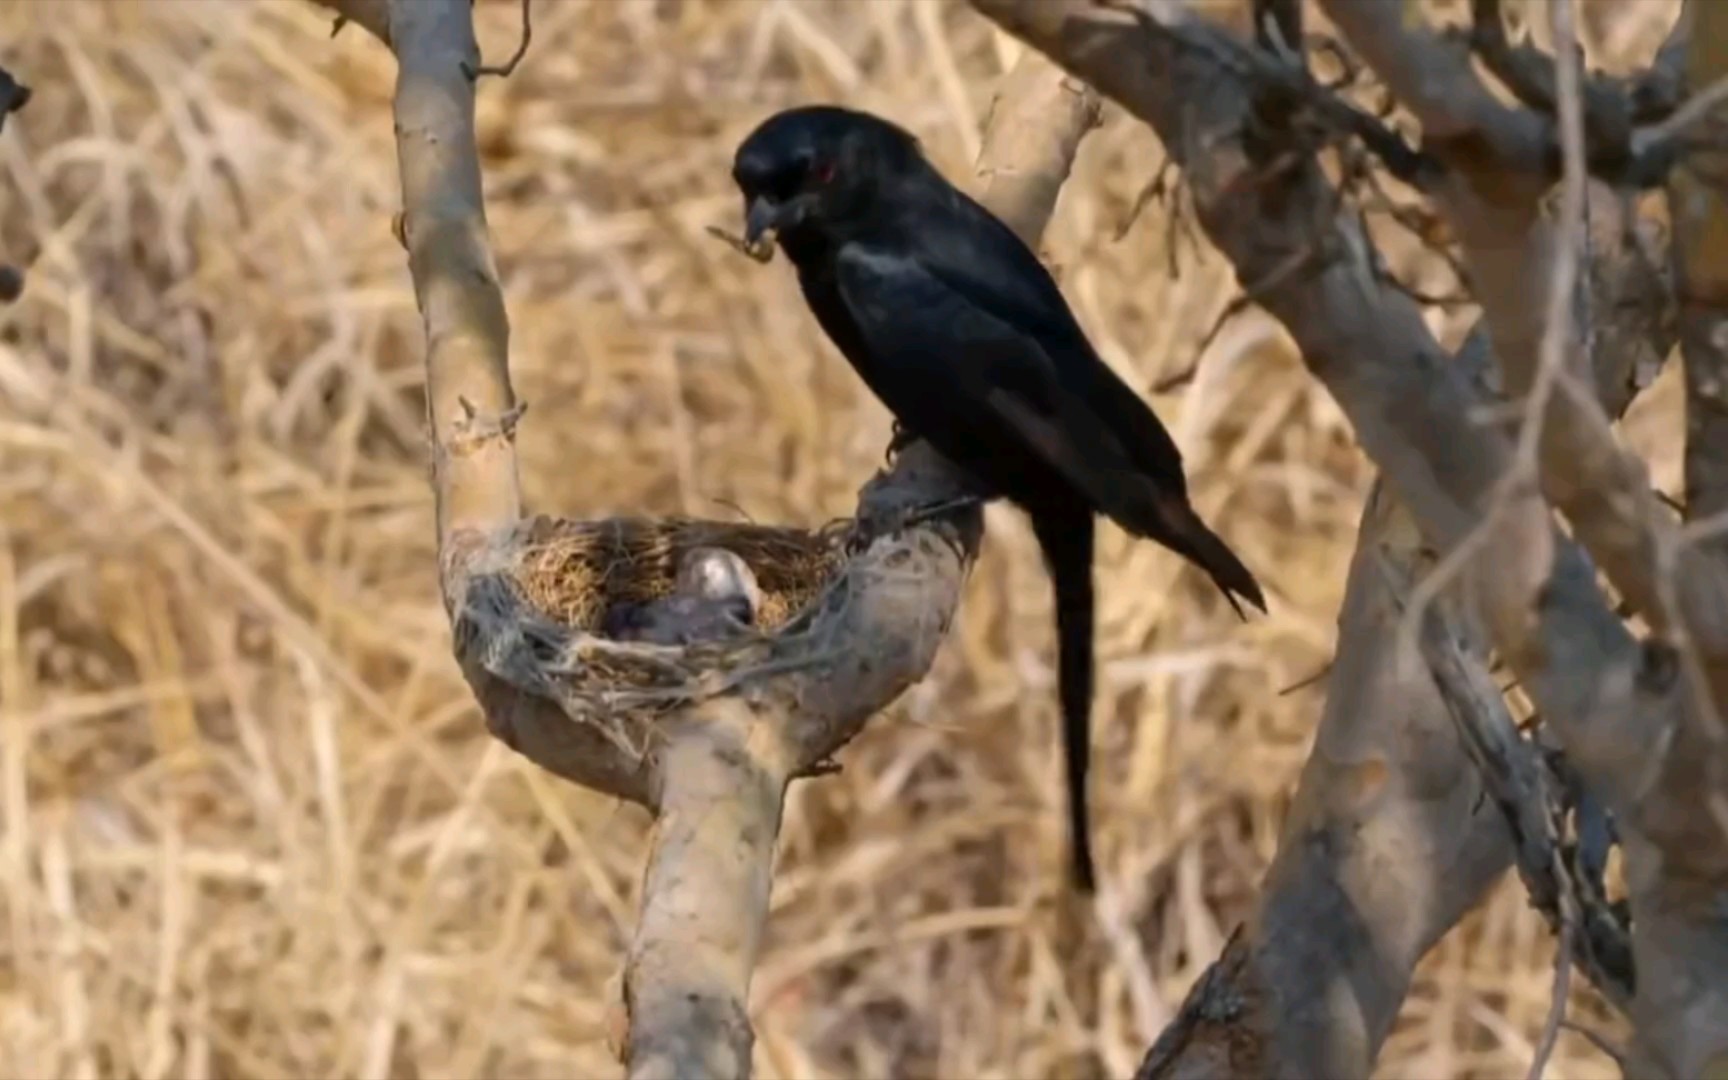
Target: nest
[(574, 571), (533, 614)]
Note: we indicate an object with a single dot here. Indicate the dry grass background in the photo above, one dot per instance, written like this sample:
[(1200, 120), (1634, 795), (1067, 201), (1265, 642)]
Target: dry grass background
[(250, 824)]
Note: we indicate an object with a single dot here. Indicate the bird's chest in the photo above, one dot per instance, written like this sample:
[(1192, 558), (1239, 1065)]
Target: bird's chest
[(822, 293)]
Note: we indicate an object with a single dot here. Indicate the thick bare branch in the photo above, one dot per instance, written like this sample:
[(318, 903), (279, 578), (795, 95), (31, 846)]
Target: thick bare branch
[(1614, 703), (713, 758), (1413, 410), (1493, 199), (713, 754), (1389, 842), (1045, 113), (705, 896), (1700, 210)]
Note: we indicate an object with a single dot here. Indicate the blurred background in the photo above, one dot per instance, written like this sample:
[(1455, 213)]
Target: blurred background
[(250, 822)]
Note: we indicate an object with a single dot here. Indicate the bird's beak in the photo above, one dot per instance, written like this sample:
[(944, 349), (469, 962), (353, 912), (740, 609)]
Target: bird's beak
[(761, 217)]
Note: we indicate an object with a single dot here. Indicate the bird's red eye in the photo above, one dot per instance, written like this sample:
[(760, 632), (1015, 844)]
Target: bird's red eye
[(825, 172)]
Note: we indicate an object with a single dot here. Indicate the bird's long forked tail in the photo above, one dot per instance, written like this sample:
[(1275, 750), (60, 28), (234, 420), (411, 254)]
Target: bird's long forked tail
[(1067, 543), (1183, 532)]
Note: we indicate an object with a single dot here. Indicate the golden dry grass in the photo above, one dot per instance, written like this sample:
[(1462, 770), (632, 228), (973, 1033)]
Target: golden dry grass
[(252, 825)]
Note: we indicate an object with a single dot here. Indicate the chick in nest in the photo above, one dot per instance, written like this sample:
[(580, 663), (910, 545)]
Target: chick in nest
[(715, 596)]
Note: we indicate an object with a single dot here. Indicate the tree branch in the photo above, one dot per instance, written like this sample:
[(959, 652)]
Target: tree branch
[(1493, 203), (1700, 211), (708, 736), (1613, 702), (1670, 803), (1412, 409), (1389, 842)]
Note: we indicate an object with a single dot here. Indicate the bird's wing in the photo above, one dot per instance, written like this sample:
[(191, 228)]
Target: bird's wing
[(989, 380), (976, 255)]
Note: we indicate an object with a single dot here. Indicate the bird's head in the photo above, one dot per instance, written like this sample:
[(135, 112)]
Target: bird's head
[(816, 166), (715, 574)]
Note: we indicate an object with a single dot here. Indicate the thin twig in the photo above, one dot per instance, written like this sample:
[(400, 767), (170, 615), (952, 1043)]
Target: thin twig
[(1305, 260), (508, 68), (1308, 680), (1562, 988), (1598, 1040), (1696, 110)]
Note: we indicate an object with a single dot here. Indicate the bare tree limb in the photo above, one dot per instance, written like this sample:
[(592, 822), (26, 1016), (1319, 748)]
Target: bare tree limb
[(1412, 409), (708, 736), (1045, 113), (1671, 805), (1493, 202), (705, 897), (1389, 842), (1616, 703), (1700, 210), (1515, 775)]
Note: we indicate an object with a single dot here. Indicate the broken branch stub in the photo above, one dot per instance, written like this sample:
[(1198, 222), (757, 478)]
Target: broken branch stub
[(707, 735)]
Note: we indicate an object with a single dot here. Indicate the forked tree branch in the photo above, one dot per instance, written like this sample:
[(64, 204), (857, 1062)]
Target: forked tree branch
[(712, 751), (1414, 411), (1492, 196), (1264, 203), (1389, 842), (1674, 814)]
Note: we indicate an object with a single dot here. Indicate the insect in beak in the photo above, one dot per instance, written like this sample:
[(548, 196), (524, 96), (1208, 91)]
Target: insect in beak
[(762, 217)]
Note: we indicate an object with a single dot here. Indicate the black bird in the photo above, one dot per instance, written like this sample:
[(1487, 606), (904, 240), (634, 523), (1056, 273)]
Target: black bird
[(958, 328)]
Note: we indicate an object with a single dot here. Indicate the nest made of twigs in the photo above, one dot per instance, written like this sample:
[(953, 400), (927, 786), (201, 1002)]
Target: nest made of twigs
[(532, 615), (574, 571)]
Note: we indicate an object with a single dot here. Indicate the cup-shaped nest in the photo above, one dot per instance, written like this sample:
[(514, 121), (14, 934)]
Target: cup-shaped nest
[(536, 603), (574, 572)]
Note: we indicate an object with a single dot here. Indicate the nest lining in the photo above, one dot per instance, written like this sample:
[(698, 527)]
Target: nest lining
[(574, 571), (533, 619)]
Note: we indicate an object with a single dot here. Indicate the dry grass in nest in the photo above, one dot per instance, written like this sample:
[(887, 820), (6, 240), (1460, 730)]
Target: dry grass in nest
[(251, 823), (572, 571), (559, 578)]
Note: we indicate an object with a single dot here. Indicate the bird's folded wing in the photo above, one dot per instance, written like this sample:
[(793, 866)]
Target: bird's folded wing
[(993, 382), (980, 258)]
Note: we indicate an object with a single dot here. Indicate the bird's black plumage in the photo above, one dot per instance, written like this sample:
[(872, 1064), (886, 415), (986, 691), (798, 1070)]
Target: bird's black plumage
[(957, 327)]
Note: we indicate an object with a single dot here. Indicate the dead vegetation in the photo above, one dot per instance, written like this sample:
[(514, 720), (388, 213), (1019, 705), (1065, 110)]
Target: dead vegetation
[(253, 823)]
